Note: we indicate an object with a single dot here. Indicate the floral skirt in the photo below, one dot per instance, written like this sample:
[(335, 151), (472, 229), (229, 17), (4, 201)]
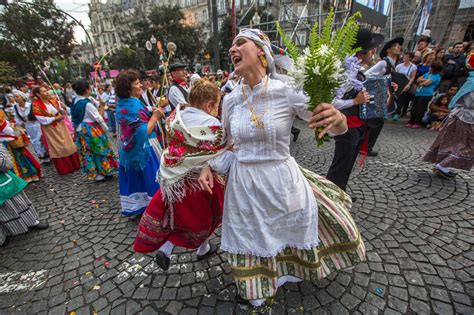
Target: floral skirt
[(340, 246), (454, 145), (95, 151), (195, 218), (25, 164)]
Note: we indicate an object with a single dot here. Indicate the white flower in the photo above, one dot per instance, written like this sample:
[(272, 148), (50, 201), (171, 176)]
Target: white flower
[(306, 51), (298, 73), (316, 70), (323, 50), (338, 65)]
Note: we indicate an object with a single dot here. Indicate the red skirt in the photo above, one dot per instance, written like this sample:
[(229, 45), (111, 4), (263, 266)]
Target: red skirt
[(67, 164), (195, 219)]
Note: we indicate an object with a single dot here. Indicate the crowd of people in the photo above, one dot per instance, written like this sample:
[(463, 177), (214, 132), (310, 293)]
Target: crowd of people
[(196, 152)]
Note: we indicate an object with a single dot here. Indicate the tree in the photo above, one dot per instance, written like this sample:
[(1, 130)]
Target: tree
[(32, 34), (124, 58), (7, 73), (166, 24)]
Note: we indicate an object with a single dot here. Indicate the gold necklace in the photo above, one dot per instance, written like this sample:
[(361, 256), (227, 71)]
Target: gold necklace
[(257, 120)]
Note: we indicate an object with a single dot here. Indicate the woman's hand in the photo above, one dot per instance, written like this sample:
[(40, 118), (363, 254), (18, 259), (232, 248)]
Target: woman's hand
[(163, 102), (206, 179), (325, 115), (59, 117), (361, 98), (158, 112)]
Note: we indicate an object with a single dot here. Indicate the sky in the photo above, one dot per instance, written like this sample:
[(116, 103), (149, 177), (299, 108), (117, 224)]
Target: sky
[(78, 9)]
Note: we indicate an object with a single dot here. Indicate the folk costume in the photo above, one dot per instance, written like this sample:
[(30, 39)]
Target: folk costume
[(24, 117), (61, 147), (24, 163), (454, 145), (281, 222), (97, 157), (139, 156), (181, 213), (356, 139), (17, 213), (178, 91)]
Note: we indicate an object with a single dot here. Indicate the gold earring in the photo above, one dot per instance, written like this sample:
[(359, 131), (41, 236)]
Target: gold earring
[(263, 60)]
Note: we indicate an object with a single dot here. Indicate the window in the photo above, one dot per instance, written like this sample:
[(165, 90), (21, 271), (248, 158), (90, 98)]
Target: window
[(204, 16), (237, 5), (301, 38)]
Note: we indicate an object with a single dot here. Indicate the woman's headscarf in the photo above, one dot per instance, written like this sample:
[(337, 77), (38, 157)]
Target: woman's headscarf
[(262, 40), (21, 94)]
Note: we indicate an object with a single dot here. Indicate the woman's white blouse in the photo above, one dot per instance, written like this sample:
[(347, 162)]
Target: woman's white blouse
[(251, 144), (48, 120), (91, 114)]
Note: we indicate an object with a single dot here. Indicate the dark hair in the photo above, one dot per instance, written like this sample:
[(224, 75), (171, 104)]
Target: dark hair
[(123, 84), (107, 86), (36, 91), (436, 67), (458, 43), (80, 86), (424, 39), (410, 54), (454, 85)]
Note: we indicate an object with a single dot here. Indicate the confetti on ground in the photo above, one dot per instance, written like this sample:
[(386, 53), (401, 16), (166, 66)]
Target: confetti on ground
[(106, 263), (96, 287), (378, 291)]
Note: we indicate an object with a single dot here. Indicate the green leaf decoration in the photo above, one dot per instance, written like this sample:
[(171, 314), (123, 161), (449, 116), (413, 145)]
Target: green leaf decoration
[(293, 50)]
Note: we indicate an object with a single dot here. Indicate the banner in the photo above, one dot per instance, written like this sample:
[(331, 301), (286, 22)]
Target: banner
[(425, 16)]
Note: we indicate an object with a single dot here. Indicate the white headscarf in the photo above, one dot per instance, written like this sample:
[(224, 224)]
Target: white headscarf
[(21, 94), (262, 40)]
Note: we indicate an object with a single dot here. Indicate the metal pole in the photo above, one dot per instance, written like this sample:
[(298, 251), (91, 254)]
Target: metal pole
[(391, 18), (215, 31)]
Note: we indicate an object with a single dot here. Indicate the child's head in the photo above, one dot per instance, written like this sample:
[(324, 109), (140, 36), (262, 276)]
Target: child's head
[(443, 100), (436, 67), (206, 96)]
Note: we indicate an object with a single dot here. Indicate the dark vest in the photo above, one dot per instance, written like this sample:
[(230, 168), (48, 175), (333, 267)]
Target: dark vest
[(182, 90), (353, 110), (31, 116)]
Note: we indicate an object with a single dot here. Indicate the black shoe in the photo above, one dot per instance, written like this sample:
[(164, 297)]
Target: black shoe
[(372, 153), (162, 261), (296, 134), (354, 199), (41, 226), (5, 243), (212, 250)]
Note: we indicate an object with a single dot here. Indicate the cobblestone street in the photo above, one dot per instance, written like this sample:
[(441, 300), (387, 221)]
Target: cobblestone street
[(418, 231)]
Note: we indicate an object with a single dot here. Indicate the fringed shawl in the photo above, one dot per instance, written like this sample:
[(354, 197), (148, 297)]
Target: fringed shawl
[(132, 120), (188, 151)]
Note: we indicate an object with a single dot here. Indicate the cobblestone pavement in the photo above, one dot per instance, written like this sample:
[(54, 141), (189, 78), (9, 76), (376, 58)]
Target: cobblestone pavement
[(418, 231)]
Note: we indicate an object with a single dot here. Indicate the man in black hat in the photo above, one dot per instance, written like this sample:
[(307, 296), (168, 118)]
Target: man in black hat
[(147, 96), (388, 60), (349, 144), (179, 90)]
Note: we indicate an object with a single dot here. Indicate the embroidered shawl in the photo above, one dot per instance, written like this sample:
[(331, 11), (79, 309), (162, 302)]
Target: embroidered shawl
[(132, 119), (40, 109), (188, 150)]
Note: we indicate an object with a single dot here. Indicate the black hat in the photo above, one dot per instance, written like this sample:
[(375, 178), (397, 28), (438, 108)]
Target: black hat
[(389, 44), (367, 40), (176, 66)]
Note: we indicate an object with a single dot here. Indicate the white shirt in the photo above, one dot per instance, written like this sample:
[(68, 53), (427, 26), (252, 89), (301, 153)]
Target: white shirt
[(48, 120), (176, 97), (406, 70), (91, 114), (379, 69), (21, 113)]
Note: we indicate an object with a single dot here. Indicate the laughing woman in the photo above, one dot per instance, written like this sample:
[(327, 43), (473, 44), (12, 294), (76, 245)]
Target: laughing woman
[(281, 223), (139, 148), (97, 157)]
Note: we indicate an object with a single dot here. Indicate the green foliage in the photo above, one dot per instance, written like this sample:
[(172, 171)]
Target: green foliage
[(319, 70), (124, 58), (291, 47), (32, 34), (7, 73)]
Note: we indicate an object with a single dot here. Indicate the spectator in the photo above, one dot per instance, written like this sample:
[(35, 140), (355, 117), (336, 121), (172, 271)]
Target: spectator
[(457, 71), (424, 93), (438, 110), (409, 70), (428, 58), (70, 94), (421, 48)]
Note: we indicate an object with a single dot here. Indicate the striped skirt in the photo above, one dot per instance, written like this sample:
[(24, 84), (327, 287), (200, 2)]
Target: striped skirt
[(17, 214), (339, 248)]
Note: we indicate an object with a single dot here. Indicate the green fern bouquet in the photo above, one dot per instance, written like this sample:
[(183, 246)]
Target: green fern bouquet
[(319, 69)]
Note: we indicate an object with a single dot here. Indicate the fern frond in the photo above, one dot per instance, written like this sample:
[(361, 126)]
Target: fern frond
[(293, 50), (326, 34)]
